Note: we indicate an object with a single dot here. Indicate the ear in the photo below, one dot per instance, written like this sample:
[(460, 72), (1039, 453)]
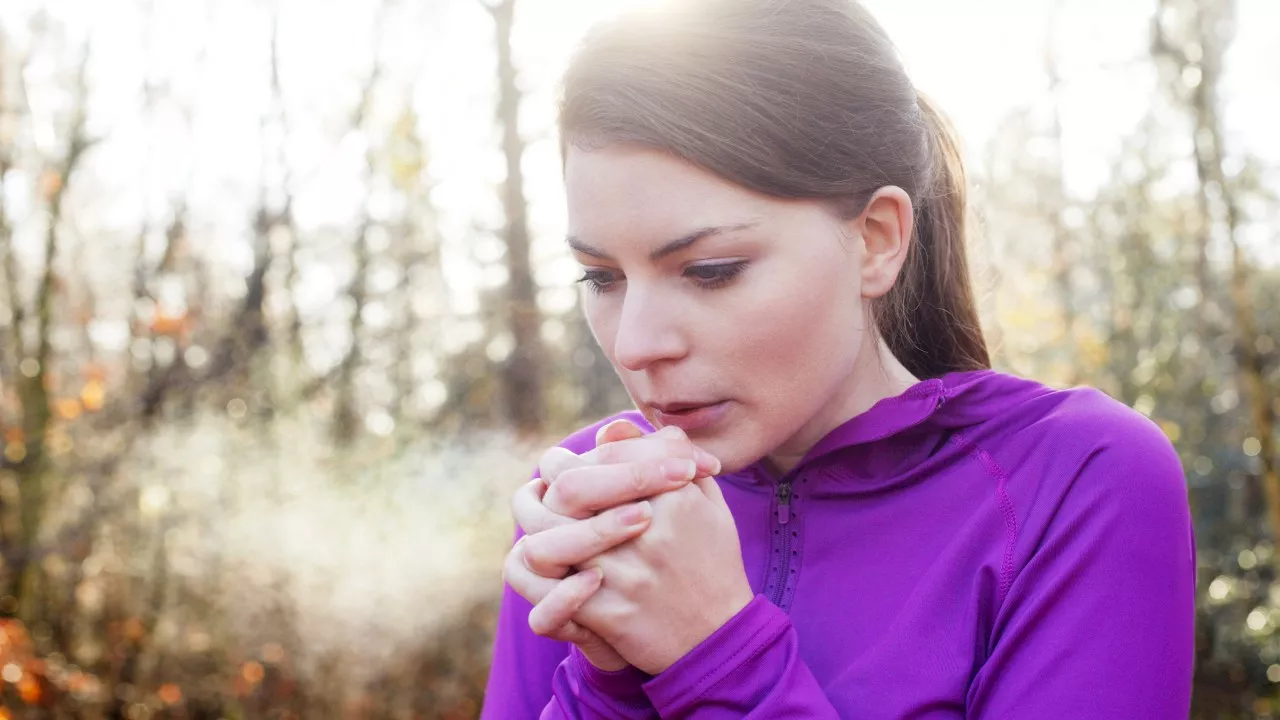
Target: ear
[(885, 227)]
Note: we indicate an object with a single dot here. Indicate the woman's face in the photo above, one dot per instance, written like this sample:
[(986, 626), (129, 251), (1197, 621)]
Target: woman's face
[(738, 316)]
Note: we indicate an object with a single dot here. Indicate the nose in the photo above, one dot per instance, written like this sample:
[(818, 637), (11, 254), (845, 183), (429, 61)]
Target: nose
[(649, 330)]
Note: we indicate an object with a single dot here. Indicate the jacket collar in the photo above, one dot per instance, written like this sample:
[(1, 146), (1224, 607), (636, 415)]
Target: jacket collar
[(950, 402)]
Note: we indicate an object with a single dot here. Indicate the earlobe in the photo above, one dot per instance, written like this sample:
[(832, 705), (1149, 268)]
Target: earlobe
[(886, 229)]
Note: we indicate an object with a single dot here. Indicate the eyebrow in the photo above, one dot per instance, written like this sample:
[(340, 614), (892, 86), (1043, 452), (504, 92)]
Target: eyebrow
[(670, 248)]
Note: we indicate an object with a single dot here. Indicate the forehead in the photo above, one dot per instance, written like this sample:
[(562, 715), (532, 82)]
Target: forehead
[(638, 190)]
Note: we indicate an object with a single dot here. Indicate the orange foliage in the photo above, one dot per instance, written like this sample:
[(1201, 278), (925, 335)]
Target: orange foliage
[(29, 689), (133, 628), (170, 694), (68, 408), (252, 672), (50, 184), (174, 325), (15, 643), (93, 395)]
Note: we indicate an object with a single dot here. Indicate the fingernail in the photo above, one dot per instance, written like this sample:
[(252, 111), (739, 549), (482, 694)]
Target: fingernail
[(637, 514), (678, 470), (707, 462)]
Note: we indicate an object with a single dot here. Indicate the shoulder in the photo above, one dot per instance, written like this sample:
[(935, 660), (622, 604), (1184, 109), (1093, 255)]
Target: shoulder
[(1078, 456), (1076, 445), (1094, 434)]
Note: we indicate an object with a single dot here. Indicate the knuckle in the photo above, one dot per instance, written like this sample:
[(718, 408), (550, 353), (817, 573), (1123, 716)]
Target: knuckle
[(555, 461), (547, 462), (524, 493), (610, 453), (511, 567), (568, 495), (603, 528), (674, 431), (615, 614), (572, 633), (642, 583), (526, 511), (638, 476), (539, 623), (536, 557)]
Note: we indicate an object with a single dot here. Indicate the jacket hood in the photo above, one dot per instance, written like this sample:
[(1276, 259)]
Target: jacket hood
[(898, 429)]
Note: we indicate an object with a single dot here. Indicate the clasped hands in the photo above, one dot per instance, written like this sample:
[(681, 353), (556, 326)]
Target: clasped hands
[(630, 552)]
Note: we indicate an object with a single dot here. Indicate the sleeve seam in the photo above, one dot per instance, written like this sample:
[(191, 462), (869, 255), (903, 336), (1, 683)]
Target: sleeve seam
[(1004, 504)]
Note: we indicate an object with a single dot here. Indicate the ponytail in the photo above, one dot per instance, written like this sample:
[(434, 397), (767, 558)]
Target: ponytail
[(929, 319)]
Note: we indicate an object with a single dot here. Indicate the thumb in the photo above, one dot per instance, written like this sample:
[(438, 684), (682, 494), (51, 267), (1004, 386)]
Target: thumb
[(618, 430)]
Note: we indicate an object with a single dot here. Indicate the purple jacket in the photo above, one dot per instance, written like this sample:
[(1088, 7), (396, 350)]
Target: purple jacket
[(980, 546)]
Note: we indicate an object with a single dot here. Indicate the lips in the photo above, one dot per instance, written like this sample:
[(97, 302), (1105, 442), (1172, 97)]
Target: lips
[(690, 416), (679, 407)]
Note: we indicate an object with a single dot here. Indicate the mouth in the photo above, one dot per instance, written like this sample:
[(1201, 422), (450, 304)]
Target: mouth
[(690, 416)]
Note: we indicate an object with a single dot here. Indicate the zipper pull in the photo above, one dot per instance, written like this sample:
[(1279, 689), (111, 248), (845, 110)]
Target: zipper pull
[(784, 502)]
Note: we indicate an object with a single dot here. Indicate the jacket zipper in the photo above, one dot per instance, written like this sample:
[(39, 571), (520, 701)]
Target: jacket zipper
[(784, 518), (784, 565), (784, 502)]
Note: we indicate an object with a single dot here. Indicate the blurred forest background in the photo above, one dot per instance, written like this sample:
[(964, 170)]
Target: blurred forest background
[(285, 316)]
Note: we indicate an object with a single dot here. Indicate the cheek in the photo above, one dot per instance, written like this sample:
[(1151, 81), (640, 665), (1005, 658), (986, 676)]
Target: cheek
[(801, 337)]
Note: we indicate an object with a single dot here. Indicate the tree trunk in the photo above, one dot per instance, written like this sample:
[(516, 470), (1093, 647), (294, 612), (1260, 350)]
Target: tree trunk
[(523, 372), (1214, 27), (33, 389)]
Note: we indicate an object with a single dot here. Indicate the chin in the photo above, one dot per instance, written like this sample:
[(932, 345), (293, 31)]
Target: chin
[(733, 453)]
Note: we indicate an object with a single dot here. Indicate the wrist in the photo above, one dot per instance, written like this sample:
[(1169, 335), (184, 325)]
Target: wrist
[(718, 616)]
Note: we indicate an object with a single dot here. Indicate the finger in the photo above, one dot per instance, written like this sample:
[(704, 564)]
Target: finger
[(711, 489), (530, 511), (668, 442), (527, 584), (618, 430), (551, 553), (582, 492), (590, 643), (555, 461), (563, 601)]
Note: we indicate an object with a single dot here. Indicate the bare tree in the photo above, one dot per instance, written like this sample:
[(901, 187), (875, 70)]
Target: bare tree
[(1054, 203), (1208, 29), (523, 372), (33, 387), (346, 414)]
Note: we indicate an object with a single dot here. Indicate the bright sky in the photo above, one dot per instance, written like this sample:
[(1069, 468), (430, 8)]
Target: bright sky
[(981, 59)]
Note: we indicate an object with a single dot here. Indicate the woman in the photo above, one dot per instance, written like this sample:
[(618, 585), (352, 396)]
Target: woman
[(827, 505)]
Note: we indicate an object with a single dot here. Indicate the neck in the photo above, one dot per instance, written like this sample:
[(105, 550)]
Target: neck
[(876, 375)]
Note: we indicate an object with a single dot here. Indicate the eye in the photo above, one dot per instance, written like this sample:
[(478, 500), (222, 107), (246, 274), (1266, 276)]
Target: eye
[(711, 276), (599, 281)]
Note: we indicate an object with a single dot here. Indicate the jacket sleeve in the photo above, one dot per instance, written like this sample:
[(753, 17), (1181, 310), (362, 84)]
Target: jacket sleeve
[(580, 691), (749, 668), (1100, 621), (523, 663), (527, 667)]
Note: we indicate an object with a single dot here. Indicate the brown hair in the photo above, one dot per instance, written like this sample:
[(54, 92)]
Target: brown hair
[(794, 99)]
